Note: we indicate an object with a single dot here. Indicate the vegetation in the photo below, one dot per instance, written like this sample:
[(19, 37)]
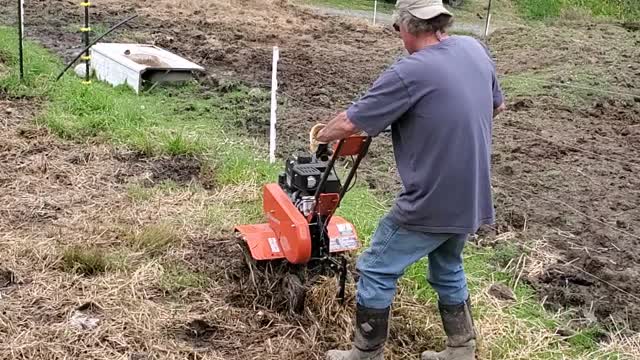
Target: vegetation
[(184, 121), (626, 10), (544, 9), (84, 261), (177, 277), (154, 239), (364, 5)]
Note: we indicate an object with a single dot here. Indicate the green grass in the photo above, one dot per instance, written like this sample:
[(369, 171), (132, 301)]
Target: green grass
[(574, 86), (186, 121), (180, 144), (84, 261), (176, 277), (366, 5), (154, 239), (545, 9), (138, 193), (363, 210), (171, 121)]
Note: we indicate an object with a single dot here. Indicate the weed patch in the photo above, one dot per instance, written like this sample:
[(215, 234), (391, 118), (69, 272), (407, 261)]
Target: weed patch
[(363, 5), (572, 87), (545, 9), (138, 193), (154, 239), (176, 278), (84, 261)]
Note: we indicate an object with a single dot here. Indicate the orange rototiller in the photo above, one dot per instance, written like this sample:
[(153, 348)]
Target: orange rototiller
[(301, 227)]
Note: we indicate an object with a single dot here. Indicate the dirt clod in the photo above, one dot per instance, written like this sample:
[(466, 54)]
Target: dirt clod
[(7, 278), (199, 329), (86, 316), (501, 292), (152, 171)]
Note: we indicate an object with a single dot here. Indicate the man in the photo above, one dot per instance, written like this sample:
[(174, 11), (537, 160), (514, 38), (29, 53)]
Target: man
[(440, 101)]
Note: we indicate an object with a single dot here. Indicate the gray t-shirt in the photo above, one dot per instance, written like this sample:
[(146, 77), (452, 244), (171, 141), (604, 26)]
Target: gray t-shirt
[(439, 102)]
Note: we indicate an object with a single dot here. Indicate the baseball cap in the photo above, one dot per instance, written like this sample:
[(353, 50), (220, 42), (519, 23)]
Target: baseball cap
[(423, 9)]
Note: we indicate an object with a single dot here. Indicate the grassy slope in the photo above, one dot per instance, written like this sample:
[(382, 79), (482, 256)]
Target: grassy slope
[(365, 5), (533, 9), (628, 10), (204, 123)]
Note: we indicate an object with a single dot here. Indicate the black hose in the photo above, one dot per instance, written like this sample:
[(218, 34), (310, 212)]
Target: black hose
[(95, 41), (86, 34)]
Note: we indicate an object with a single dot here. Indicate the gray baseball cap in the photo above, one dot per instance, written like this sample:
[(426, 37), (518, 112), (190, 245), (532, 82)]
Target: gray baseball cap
[(423, 9)]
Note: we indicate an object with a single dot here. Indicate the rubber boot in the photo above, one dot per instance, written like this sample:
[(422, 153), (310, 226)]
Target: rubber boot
[(371, 332), (458, 325)]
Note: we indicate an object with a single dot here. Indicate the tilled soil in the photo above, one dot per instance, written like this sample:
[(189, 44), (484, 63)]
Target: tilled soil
[(584, 206), (564, 166)]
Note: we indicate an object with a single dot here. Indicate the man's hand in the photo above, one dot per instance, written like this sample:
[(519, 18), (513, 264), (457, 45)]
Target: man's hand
[(337, 129), (499, 109), (313, 137)]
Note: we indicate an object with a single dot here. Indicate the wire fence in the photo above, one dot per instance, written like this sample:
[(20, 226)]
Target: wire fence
[(530, 132), (558, 204), (594, 89), (559, 144)]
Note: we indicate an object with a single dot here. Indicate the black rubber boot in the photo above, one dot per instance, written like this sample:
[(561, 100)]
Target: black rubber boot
[(372, 330), (461, 335)]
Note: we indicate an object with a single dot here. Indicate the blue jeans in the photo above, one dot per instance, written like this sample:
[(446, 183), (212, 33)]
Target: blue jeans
[(393, 249)]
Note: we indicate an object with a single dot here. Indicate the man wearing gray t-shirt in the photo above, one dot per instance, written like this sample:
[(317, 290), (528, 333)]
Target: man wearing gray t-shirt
[(439, 101)]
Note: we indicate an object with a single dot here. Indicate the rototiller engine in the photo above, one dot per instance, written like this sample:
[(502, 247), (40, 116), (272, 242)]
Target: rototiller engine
[(302, 228)]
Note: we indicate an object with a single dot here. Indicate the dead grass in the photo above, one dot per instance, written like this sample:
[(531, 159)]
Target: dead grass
[(194, 295)]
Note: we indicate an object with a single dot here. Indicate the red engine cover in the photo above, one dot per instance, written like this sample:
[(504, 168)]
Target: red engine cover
[(288, 224)]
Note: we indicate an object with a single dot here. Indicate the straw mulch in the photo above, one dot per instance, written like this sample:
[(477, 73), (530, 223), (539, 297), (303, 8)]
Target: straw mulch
[(59, 195)]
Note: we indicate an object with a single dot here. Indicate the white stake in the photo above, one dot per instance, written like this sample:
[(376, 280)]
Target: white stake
[(22, 16), (375, 11), (274, 105), (488, 23)]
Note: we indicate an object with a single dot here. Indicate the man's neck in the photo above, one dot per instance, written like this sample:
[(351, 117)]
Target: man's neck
[(430, 40)]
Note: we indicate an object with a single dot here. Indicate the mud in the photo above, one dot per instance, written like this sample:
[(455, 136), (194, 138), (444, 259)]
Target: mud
[(565, 166)]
